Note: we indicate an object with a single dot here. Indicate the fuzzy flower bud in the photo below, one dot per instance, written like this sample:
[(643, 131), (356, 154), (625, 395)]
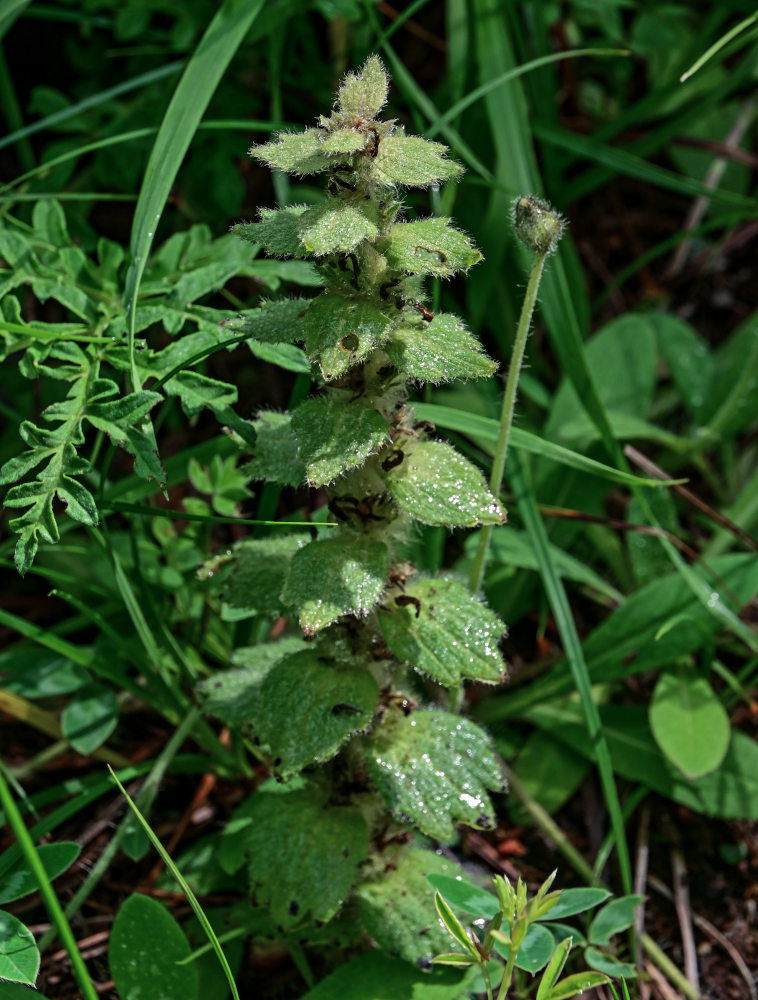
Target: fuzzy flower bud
[(537, 224)]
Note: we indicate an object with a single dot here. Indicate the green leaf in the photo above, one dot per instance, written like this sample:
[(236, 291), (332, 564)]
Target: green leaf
[(260, 569), (549, 771), (608, 965), (466, 896), (689, 723), (363, 94), (18, 880), (382, 977), (304, 854), (397, 908), (340, 332), (454, 926), (287, 356), (304, 708), (90, 718), (688, 360), (278, 231), (430, 246), (295, 152), (337, 225), (535, 950), (412, 161), (554, 969), (333, 577), (343, 140), (147, 944), (279, 322), (438, 351), (334, 434), (19, 955), (275, 454), (574, 901), (433, 769), (232, 695), (577, 984), (436, 485), (34, 672), (449, 634)]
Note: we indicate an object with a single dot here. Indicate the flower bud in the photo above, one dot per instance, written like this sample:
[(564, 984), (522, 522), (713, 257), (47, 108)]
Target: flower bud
[(537, 224)]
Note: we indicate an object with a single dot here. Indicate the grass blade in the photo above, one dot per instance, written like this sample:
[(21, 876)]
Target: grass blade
[(191, 898), (201, 76), (724, 40)]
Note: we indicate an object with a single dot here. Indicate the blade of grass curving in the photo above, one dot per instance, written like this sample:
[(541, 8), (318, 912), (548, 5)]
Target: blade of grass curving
[(486, 429), (191, 898), (558, 600), (10, 10), (49, 898), (717, 46), (143, 80), (197, 85)]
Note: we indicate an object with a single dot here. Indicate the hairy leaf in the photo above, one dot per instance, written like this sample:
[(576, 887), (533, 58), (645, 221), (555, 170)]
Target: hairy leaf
[(295, 152), (448, 634), (332, 578), (363, 94), (334, 435), (275, 456), (433, 769), (436, 485), (337, 225), (279, 322), (277, 231), (411, 160), (304, 854), (340, 332), (233, 694), (260, 569), (438, 351), (430, 246)]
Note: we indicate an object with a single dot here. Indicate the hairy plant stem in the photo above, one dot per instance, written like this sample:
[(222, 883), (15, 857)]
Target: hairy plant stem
[(506, 416)]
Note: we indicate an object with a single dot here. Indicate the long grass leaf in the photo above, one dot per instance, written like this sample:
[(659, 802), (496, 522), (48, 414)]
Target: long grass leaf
[(558, 600), (191, 898), (201, 76), (724, 40)]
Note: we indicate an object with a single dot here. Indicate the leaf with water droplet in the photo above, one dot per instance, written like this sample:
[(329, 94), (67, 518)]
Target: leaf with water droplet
[(334, 577), (275, 455), (434, 769), (438, 351), (337, 226), (436, 485), (430, 246), (304, 854), (276, 322), (296, 152), (334, 435), (259, 570), (397, 906), (449, 634), (340, 332)]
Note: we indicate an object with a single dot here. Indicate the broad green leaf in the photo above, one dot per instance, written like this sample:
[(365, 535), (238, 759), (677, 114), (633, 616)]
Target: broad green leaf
[(411, 160), (433, 769), (295, 152), (337, 226), (554, 969), (689, 723), (304, 854), (614, 917), (343, 140), (430, 246), (397, 906), (730, 792), (340, 332), (278, 231), (688, 360), (441, 629), (19, 955), (89, 719), (278, 322), (648, 558), (436, 485), (535, 949), (275, 455), (609, 965), (18, 880), (573, 901), (334, 434), (35, 672), (549, 771), (146, 946), (260, 569), (305, 707), (438, 351), (363, 94), (287, 356), (732, 402), (15, 991), (336, 577), (382, 977), (233, 695), (465, 896)]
